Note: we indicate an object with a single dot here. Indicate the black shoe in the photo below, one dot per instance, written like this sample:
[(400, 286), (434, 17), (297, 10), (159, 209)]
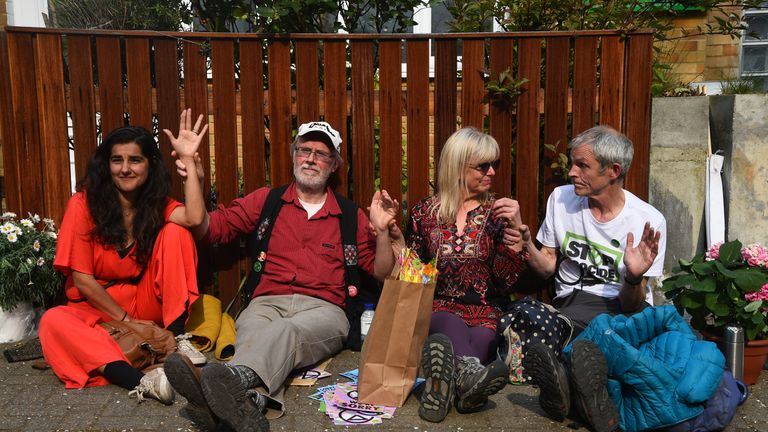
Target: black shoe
[(589, 374), (185, 379), (437, 368), (232, 401), (546, 371), (475, 382)]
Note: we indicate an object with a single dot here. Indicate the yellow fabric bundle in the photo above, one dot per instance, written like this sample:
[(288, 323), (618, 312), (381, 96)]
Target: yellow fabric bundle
[(211, 328)]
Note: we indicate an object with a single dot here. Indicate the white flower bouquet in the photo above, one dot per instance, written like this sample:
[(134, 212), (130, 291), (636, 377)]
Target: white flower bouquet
[(27, 249)]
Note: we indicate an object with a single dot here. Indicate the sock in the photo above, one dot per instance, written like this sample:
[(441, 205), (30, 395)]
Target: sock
[(177, 326), (248, 376), (122, 374)]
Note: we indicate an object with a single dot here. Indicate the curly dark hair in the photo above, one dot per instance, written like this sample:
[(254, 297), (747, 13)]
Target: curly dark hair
[(102, 195)]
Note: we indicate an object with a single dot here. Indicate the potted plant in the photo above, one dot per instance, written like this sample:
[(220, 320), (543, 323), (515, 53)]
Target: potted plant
[(27, 276), (727, 285)]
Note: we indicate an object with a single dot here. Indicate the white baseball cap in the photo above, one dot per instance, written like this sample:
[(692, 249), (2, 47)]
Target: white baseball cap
[(321, 131)]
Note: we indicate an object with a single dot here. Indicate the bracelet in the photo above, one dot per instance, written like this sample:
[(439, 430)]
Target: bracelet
[(124, 315), (631, 281)]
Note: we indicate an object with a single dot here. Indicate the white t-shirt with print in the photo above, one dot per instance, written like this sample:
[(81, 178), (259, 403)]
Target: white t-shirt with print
[(595, 250)]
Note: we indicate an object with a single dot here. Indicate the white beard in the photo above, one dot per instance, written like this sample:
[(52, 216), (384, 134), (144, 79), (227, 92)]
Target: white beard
[(313, 180)]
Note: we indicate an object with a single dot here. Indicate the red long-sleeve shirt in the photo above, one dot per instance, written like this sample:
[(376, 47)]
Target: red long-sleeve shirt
[(305, 256)]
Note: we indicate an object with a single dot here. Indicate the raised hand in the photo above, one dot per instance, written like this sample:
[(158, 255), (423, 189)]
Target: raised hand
[(383, 211), (638, 259), (190, 137)]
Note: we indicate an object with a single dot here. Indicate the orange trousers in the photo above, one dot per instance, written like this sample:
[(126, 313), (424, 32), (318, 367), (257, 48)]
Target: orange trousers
[(75, 346)]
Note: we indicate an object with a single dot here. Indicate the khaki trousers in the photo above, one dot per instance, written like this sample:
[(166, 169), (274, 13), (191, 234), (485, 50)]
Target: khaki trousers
[(277, 334)]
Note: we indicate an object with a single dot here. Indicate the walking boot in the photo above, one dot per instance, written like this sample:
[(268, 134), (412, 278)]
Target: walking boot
[(546, 372), (231, 398), (438, 370), (589, 375), (185, 379), (475, 383)]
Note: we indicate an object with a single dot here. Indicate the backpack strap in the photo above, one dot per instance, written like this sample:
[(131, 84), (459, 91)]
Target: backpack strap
[(348, 226), (258, 241), (356, 296)]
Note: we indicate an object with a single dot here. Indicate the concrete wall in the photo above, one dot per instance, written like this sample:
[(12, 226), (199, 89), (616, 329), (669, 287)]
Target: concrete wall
[(678, 171), (739, 128), (742, 134)]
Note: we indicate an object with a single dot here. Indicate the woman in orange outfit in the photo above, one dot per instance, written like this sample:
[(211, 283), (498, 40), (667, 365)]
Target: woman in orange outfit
[(127, 255)]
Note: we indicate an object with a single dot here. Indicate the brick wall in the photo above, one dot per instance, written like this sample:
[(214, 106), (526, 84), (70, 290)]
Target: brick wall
[(722, 60), (700, 58), (3, 14)]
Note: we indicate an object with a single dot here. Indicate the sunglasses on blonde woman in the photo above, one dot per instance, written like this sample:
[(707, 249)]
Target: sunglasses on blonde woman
[(486, 166)]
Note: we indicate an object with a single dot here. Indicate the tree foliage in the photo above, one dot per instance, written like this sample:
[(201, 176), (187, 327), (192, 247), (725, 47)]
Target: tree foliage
[(627, 15), (305, 16), (119, 14)]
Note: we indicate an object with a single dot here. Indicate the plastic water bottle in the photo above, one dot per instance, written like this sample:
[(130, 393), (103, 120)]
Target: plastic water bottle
[(734, 351), (365, 321)]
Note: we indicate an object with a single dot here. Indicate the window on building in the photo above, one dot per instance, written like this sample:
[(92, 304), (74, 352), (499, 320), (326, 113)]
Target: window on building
[(754, 44)]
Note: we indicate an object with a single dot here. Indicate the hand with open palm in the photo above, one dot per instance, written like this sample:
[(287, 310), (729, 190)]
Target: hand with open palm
[(638, 259)]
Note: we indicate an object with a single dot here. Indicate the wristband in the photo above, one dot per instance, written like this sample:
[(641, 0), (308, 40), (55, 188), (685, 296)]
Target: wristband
[(632, 281), (124, 315)]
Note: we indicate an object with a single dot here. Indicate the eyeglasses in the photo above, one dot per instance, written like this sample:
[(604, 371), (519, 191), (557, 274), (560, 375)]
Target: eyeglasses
[(486, 166), (306, 152)]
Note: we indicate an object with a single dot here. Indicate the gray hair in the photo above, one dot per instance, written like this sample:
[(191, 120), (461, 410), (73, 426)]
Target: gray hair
[(300, 140), (608, 145)]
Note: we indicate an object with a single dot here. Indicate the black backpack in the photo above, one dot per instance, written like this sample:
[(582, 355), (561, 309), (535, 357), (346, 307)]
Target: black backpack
[(368, 289)]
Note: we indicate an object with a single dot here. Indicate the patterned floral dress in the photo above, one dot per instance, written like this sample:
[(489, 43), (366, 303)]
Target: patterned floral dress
[(476, 271)]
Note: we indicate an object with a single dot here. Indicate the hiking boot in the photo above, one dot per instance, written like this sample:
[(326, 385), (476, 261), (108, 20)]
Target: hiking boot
[(437, 368), (154, 385), (185, 379), (589, 375), (546, 371), (475, 382), (231, 399), (184, 346)]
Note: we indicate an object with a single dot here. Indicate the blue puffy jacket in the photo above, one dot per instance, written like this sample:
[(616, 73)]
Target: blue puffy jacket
[(659, 374)]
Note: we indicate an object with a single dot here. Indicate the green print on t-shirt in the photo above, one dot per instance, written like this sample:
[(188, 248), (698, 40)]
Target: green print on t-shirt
[(599, 263)]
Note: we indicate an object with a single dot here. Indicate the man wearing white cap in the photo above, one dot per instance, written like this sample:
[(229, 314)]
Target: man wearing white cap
[(296, 317)]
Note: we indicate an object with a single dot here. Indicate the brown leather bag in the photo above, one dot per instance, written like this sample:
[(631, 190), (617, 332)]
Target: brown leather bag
[(143, 344)]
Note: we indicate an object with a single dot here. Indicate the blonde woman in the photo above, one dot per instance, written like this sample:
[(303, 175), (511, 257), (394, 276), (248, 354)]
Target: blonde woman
[(464, 226)]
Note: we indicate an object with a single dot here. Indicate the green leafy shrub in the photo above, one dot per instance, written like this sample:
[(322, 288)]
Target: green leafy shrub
[(27, 249), (726, 285)]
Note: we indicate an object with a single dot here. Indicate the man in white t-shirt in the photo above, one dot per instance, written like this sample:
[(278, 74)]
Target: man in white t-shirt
[(602, 244)]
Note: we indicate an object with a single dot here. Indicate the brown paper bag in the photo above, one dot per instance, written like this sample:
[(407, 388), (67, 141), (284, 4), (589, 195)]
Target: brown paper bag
[(391, 353)]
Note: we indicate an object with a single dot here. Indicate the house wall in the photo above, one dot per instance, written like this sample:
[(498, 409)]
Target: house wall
[(700, 58), (3, 15)]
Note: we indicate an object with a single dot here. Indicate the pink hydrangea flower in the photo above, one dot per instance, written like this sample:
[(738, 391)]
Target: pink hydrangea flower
[(714, 252), (761, 295), (755, 255)]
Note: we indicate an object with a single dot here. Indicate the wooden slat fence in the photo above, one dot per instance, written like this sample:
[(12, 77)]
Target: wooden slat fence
[(394, 98)]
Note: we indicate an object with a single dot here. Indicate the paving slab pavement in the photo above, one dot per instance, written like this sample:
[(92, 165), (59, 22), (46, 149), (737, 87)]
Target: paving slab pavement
[(33, 400)]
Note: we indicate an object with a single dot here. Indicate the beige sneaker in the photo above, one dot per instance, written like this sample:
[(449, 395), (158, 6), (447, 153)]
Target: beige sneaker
[(154, 385), (185, 347)]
